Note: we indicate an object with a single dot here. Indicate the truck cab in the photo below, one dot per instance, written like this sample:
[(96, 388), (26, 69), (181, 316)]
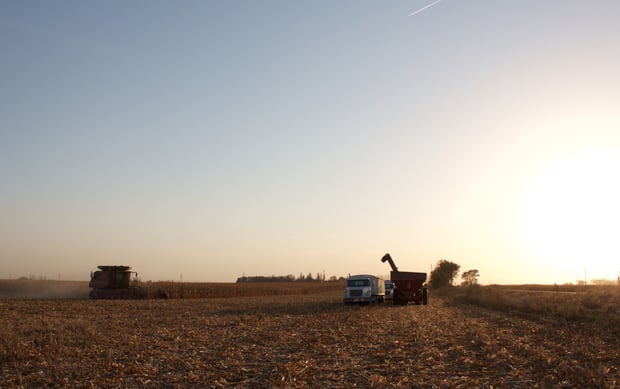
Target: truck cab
[(364, 289), (389, 289)]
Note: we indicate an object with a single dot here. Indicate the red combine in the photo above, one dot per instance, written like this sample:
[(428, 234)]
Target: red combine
[(115, 282), (408, 286)]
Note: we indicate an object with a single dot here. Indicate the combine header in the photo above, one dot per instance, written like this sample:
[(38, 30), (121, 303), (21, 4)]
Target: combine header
[(115, 282), (408, 286)]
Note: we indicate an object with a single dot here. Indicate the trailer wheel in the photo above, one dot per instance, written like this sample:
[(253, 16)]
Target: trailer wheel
[(395, 297), (425, 296), (399, 299)]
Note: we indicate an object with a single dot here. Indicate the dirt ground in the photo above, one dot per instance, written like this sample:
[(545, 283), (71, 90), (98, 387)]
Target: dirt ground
[(293, 341)]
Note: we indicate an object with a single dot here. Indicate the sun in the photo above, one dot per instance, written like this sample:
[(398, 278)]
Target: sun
[(571, 212)]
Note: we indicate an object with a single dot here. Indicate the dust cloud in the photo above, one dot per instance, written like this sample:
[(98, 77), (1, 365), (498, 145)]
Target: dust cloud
[(43, 289)]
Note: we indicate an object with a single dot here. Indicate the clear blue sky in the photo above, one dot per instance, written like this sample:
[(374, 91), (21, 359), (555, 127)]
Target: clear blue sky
[(214, 139)]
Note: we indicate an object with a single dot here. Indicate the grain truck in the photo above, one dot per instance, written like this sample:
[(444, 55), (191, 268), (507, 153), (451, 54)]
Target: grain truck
[(364, 289)]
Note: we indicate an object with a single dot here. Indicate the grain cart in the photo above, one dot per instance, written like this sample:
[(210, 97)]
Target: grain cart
[(115, 282), (408, 286)]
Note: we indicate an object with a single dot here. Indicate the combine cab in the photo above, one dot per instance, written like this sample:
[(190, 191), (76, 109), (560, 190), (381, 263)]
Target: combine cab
[(408, 286), (115, 282)]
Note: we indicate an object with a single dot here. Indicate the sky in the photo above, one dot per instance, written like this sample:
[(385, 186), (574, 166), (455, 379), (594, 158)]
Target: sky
[(206, 140)]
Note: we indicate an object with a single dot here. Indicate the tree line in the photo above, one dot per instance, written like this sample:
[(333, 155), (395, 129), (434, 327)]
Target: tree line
[(319, 277), (443, 274), (446, 271)]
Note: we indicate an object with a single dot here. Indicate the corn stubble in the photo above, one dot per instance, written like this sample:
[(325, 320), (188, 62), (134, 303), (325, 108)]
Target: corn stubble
[(309, 340)]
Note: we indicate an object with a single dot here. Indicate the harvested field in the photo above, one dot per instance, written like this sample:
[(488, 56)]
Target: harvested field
[(594, 307), (305, 340)]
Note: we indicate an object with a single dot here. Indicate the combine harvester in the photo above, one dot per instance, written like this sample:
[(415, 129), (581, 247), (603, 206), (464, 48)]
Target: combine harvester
[(115, 282), (408, 286)]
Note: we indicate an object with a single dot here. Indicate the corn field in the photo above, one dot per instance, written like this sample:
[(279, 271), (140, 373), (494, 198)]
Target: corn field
[(297, 340)]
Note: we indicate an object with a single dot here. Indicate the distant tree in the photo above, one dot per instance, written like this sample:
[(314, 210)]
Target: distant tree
[(443, 274), (273, 278), (602, 281), (309, 277), (470, 277), (333, 279)]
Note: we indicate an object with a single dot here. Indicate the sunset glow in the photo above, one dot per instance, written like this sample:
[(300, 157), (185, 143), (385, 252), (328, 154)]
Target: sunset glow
[(572, 213), (208, 140)]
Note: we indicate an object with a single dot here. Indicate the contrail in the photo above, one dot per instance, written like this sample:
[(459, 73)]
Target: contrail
[(423, 8)]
